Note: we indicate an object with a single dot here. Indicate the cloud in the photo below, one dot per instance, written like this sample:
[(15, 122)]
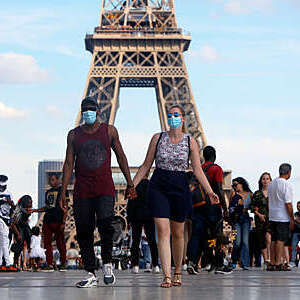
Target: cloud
[(205, 53), (55, 112), (7, 112), (243, 7), (19, 68)]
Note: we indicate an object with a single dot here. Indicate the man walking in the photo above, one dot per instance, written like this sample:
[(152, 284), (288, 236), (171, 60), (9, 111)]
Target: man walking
[(207, 220), (89, 146), (280, 215)]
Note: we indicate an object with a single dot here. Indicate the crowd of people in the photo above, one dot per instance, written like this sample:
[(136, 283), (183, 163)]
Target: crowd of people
[(181, 210)]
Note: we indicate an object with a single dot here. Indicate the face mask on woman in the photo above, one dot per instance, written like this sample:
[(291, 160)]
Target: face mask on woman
[(174, 120)]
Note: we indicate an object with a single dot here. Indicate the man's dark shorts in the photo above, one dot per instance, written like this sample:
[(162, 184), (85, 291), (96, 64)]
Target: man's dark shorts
[(280, 231)]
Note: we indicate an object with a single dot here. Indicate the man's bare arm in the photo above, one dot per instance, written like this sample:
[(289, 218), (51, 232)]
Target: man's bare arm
[(121, 157), (67, 168), (289, 209)]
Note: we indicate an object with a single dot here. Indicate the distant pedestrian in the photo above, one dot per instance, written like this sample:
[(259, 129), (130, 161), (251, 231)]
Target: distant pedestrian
[(260, 208), (280, 215)]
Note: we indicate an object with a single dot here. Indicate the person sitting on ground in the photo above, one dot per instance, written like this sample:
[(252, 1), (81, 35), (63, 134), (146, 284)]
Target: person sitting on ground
[(72, 257)]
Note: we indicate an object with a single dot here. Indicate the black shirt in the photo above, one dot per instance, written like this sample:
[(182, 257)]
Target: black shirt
[(297, 225), (54, 213), (138, 209)]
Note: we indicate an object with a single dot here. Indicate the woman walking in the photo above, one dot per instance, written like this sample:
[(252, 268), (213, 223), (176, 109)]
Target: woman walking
[(168, 192), (239, 216), (260, 208)]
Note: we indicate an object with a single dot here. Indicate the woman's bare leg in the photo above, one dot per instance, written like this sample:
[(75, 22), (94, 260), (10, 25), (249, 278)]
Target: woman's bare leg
[(163, 244), (177, 231)]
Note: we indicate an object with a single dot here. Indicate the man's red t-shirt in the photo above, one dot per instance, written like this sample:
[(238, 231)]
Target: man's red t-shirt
[(214, 173)]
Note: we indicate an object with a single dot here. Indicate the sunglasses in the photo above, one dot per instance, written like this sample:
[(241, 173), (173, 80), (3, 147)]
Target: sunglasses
[(234, 185), (175, 114), (86, 108)]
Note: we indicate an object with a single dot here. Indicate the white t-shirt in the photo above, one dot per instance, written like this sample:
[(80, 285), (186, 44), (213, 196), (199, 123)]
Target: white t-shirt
[(280, 192)]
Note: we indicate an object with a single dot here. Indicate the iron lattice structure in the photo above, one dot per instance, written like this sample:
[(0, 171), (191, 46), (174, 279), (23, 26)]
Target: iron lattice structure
[(138, 44)]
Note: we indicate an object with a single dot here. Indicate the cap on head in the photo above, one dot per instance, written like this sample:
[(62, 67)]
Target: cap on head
[(3, 180), (89, 101)]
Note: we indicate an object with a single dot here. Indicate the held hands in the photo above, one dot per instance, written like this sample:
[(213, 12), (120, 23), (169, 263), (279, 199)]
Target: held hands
[(214, 199), (130, 193), (262, 218)]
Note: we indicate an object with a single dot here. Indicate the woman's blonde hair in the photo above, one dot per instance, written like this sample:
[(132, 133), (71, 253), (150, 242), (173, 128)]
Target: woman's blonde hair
[(182, 113)]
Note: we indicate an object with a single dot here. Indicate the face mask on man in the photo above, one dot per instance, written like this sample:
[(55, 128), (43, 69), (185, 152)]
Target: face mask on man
[(89, 117)]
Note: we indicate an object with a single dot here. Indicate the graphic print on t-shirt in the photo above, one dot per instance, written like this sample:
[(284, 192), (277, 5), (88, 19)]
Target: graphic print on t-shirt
[(92, 154), (4, 206), (52, 199)]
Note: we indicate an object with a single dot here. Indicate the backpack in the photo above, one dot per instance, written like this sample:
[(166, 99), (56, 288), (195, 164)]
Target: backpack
[(199, 196)]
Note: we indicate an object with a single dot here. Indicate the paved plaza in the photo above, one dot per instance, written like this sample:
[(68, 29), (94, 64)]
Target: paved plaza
[(253, 284)]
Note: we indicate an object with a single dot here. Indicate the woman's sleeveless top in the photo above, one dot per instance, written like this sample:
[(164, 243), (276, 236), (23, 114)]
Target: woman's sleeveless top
[(172, 157)]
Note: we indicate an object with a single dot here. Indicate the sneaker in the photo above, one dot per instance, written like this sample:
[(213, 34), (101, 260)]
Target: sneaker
[(90, 281), (62, 268), (192, 268), (2, 269), (212, 268), (148, 268), (223, 270), (48, 269), (11, 268), (184, 267), (208, 267), (245, 268), (156, 270), (109, 277), (135, 269), (292, 265)]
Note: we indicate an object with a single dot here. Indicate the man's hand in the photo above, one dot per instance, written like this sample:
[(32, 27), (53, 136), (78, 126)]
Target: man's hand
[(63, 202), (130, 193), (292, 224), (225, 214), (18, 237), (214, 199), (62, 227), (262, 218)]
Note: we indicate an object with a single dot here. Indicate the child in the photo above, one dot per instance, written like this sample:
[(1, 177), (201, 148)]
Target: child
[(6, 207), (37, 254)]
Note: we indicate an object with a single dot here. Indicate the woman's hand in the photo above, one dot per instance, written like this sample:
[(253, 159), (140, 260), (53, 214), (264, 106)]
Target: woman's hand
[(214, 199)]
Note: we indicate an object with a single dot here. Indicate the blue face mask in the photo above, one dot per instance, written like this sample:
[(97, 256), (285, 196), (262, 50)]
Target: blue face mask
[(174, 122), (89, 117)]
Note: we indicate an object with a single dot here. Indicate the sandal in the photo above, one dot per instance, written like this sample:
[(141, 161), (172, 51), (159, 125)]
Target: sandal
[(177, 279), (167, 283)]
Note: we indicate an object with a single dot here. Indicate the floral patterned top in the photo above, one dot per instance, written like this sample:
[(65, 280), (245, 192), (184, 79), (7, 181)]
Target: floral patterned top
[(260, 201), (172, 157)]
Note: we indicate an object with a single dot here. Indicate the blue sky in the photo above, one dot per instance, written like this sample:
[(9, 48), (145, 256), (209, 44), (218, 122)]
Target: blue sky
[(244, 66)]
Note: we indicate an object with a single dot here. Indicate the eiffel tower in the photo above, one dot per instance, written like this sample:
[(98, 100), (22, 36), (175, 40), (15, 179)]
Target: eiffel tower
[(138, 44)]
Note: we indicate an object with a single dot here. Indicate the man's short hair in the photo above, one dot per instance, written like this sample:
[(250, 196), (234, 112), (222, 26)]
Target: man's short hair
[(89, 101), (285, 169), (209, 153), (56, 175)]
